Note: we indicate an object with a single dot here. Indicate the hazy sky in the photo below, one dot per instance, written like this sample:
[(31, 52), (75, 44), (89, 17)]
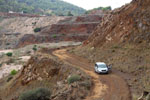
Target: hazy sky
[(90, 4)]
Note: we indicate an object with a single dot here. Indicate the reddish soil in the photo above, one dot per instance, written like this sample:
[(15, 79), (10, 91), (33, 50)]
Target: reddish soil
[(105, 87)]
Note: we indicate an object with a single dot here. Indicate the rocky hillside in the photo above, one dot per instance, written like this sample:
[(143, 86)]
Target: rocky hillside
[(12, 29), (47, 71), (25, 29), (76, 28), (122, 39), (129, 24)]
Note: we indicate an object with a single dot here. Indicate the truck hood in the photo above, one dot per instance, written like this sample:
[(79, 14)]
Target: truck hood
[(100, 69)]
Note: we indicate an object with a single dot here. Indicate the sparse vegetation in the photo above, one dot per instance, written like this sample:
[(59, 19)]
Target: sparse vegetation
[(37, 30), (9, 54), (36, 94), (13, 72), (73, 79)]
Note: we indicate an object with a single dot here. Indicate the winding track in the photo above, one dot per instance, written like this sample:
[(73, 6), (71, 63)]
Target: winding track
[(106, 87)]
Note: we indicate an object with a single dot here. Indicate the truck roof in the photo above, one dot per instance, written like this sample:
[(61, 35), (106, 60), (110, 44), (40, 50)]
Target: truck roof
[(100, 63)]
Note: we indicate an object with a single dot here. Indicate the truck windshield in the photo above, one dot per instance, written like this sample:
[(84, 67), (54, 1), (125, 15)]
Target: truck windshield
[(102, 66)]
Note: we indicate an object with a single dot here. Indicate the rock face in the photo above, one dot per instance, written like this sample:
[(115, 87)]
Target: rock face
[(129, 23)]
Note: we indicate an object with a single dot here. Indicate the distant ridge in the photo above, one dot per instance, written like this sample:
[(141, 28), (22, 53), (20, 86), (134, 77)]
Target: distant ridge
[(42, 7)]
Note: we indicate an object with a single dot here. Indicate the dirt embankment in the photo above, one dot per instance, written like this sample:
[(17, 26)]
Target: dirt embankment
[(106, 87)]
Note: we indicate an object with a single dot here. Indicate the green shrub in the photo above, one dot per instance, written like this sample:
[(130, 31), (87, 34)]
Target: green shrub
[(34, 48), (54, 36), (37, 29), (9, 54), (36, 94), (73, 79), (13, 72), (7, 43)]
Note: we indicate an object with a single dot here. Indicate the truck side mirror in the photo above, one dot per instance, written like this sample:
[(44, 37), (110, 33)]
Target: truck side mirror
[(109, 66)]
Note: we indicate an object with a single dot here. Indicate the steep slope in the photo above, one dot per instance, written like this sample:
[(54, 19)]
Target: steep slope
[(127, 24), (48, 7), (47, 71), (122, 39)]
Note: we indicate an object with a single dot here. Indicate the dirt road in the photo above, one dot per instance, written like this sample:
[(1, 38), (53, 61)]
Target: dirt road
[(105, 87)]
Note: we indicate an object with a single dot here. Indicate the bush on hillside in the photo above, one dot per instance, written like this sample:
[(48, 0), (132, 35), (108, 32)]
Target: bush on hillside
[(73, 79), (9, 54), (34, 48), (13, 72), (36, 94), (54, 36), (37, 29)]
